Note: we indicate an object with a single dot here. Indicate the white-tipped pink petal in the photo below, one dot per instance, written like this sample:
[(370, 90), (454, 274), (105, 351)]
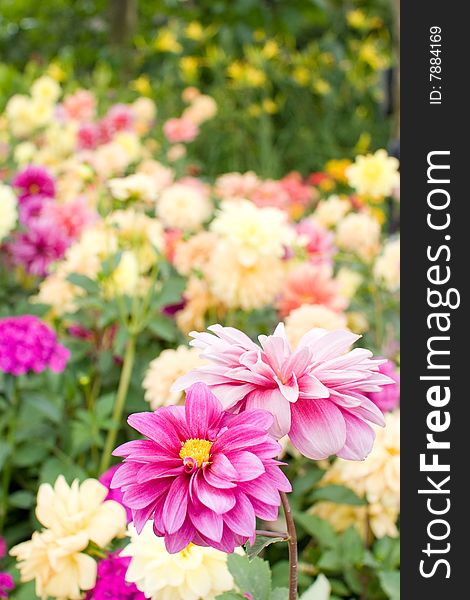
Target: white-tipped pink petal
[(318, 429)]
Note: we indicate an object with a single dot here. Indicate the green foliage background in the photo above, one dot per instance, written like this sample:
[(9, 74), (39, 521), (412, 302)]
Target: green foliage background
[(324, 91)]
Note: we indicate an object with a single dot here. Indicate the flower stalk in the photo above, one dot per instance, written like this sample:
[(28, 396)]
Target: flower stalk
[(292, 544), (119, 404)]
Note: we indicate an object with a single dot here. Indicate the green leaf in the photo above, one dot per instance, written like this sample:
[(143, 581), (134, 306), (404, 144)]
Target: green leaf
[(26, 591), (387, 552), (171, 292), (22, 499), (305, 482), (280, 594), (337, 493), (54, 467), (351, 547), (230, 596), (30, 453), (390, 582), (163, 327), (339, 588), (84, 282), (252, 577), (330, 561), (320, 590), (260, 544), (320, 529), (104, 406)]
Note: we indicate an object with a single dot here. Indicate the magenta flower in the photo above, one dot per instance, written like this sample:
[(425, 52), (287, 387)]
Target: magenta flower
[(316, 393), (114, 494), (38, 247), (203, 475), (28, 344), (33, 207), (389, 397), (6, 584), (111, 583), (34, 180)]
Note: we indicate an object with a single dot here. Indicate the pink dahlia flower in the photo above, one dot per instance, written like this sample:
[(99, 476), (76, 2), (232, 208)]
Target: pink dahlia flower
[(6, 584), (38, 247), (299, 192), (32, 208), (114, 494), (319, 242), (120, 117), (203, 475), (70, 217), (34, 180), (87, 136), (316, 393), (270, 193), (28, 344), (180, 130), (310, 284), (389, 397), (80, 106), (111, 583)]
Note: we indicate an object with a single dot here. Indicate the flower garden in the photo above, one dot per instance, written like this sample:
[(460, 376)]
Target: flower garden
[(199, 365)]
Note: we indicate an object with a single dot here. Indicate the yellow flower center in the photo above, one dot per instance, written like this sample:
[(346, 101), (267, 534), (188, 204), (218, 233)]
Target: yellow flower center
[(198, 450), (185, 552), (34, 188)]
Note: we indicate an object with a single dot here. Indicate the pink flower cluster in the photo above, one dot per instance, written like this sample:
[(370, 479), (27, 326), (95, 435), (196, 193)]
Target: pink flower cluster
[(92, 134), (49, 226), (28, 344), (389, 397), (203, 475), (310, 284), (111, 583), (317, 393), (180, 130)]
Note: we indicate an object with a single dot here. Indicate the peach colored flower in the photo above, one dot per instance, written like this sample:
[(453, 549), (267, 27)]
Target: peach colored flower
[(180, 130), (310, 284)]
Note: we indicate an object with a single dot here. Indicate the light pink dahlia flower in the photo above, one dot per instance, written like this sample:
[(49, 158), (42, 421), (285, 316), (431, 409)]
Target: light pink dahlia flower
[(316, 393), (204, 475)]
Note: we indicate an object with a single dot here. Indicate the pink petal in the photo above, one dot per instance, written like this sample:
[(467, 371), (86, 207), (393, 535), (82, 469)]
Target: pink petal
[(247, 465), (359, 438), (237, 438), (206, 521), (273, 401), (218, 500), (267, 512), (241, 519), (261, 418), (318, 429), (176, 504), (151, 471), (178, 541), (262, 489), (202, 409), (140, 496)]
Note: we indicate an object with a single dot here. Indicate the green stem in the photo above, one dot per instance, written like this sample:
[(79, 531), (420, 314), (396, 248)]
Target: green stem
[(10, 440), (119, 403), (292, 544)]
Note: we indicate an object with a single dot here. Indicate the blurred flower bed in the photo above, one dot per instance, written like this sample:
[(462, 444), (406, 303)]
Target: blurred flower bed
[(115, 244), (296, 83)]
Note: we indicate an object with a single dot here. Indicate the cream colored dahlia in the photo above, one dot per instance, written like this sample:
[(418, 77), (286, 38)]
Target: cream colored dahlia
[(310, 316), (195, 573), (164, 370)]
